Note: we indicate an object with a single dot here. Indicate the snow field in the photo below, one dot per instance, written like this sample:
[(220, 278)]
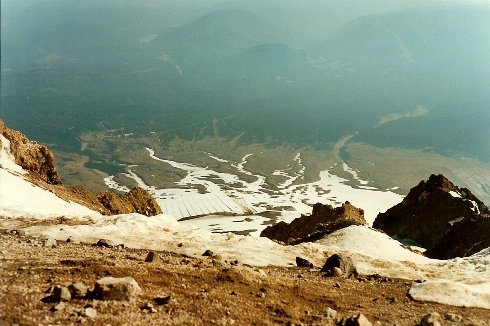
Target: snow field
[(241, 197)]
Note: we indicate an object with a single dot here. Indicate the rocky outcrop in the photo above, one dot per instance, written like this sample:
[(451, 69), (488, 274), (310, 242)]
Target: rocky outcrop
[(113, 203), (39, 161), (464, 238), (323, 220), (137, 200), (429, 210), (31, 156), (142, 202)]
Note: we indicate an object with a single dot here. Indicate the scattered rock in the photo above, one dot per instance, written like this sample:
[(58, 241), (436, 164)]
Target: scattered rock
[(337, 265), (149, 307), (208, 253), (432, 319), (453, 317), (20, 233), (89, 312), (111, 288), (105, 243), (60, 293), (301, 262), (162, 299), (329, 313), (58, 307), (78, 290), (334, 272), (323, 220), (152, 257), (355, 320)]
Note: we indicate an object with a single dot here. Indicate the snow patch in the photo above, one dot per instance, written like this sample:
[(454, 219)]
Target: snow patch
[(455, 194), (111, 183), (21, 198), (456, 220), (474, 207), (355, 174), (452, 293), (371, 243), (242, 197)]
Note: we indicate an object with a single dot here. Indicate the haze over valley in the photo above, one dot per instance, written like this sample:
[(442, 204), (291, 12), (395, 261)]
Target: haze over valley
[(245, 162), (253, 100)]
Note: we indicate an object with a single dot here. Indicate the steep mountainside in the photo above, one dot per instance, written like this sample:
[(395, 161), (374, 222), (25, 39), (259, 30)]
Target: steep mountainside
[(39, 161)]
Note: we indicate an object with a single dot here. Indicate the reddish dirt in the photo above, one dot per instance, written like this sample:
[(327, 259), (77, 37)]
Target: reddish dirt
[(204, 291)]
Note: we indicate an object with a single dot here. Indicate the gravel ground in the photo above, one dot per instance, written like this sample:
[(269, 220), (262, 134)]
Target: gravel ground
[(203, 291)]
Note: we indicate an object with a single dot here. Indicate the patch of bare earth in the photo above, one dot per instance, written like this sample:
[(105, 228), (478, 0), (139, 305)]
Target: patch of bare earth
[(203, 291)]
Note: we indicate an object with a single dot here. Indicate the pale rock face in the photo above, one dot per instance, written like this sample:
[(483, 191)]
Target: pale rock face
[(77, 290), (112, 288), (432, 319)]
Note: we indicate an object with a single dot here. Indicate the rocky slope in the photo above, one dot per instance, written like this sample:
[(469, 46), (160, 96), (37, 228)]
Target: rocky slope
[(44, 282), (38, 160), (31, 156), (323, 220), (464, 238), (429, 210)]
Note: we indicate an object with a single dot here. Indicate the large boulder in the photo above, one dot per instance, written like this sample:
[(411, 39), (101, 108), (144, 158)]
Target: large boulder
[(323, 220), (429, 210), (344, 264), (116, 288)]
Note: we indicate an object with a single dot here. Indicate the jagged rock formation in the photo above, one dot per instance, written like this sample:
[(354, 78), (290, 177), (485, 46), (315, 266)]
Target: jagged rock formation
[(463, 239), (142, 202), (38, 160), (323, 220), (137, 200), (31, 156), (428, 211), (114, 203)]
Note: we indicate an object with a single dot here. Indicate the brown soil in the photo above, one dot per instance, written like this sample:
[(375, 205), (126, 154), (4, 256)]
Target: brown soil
[(203, 291)]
